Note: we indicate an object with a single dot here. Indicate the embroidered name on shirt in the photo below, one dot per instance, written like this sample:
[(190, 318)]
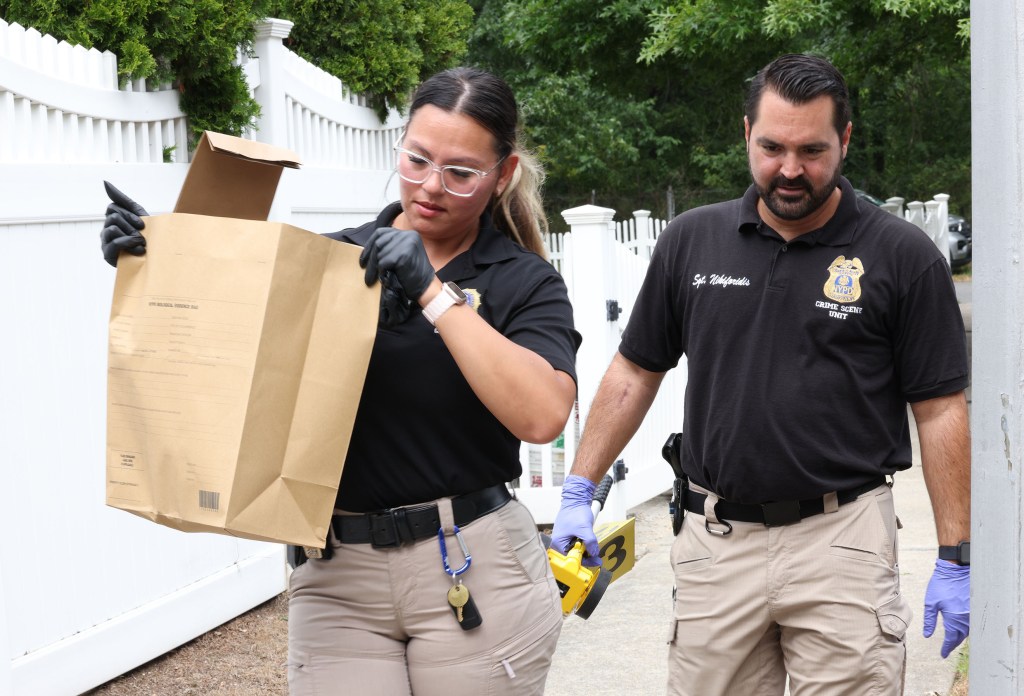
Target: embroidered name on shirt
[(721, 280), (838, 311)]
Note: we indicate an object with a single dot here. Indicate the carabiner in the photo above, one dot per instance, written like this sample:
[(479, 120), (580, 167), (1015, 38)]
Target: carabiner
[(444, 552), (718, 532)]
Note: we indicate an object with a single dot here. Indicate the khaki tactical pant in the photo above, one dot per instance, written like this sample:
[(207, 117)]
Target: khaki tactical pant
[(818, 600), (377, 621)]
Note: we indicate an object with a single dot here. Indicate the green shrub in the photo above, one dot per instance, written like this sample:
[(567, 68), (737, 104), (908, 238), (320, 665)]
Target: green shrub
[(381, 48), (190, 43)]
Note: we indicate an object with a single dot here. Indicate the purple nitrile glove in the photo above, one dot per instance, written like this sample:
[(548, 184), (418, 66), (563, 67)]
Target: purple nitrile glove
[(575, 519), (949, 594)]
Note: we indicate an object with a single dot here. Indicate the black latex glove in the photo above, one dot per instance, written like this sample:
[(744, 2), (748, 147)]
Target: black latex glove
[(401, 252), (122, 227), (395, 307)]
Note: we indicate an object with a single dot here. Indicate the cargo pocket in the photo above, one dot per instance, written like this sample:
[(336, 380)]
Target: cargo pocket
[(522, 667), (894, 618)]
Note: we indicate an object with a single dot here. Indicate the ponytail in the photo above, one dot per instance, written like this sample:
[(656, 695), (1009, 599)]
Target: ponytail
[(519, 210)]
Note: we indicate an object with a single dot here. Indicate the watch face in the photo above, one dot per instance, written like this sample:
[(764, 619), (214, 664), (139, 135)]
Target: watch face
[(959, 554), (456, 292)]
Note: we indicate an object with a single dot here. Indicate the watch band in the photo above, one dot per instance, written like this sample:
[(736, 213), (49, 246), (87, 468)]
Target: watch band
[(959, 554), (450, 296)]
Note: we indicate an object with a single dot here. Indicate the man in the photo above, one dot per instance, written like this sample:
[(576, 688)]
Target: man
[(809, 321)]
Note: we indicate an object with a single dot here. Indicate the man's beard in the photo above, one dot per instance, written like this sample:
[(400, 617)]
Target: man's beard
[(799, 208)]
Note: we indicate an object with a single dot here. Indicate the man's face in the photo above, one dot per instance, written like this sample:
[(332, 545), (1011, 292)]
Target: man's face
[(795, 154)]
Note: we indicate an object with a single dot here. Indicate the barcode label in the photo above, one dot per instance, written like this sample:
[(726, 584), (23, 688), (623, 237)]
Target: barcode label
[(209, 500)]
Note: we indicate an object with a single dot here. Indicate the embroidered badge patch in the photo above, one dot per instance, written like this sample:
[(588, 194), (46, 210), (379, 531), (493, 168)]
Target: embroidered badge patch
[(474, 298), (843, 284)]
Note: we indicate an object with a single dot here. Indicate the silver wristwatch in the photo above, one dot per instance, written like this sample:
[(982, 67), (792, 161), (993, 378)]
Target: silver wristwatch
[(450, 296)]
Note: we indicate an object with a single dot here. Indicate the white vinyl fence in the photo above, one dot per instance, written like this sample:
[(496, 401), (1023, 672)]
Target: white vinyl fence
[(88, 592)]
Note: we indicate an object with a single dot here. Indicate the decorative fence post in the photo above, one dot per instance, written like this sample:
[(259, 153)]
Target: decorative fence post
[(938, 221), (268, 85), (644, 233), (596, 308), (593, 274), (269, 92)]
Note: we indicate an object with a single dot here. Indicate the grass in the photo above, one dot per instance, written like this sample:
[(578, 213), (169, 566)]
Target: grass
[(960, 686)]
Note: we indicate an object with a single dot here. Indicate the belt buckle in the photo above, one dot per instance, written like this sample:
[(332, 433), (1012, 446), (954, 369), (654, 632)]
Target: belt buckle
[(781, 513), (384, 532)]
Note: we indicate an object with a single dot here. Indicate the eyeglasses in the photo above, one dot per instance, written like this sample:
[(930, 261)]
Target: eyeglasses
[(458, 181)]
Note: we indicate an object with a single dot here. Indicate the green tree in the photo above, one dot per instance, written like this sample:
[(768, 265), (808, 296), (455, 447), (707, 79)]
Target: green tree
[(907, 64), (380, 47), (625, 99), (612, 129)]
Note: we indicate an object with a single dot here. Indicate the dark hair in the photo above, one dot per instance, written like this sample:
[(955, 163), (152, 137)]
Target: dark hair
[(800, 78), (488, 100)]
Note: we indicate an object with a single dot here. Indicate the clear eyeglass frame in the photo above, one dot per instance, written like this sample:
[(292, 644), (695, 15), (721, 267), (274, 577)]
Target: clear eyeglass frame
[(478, 174)]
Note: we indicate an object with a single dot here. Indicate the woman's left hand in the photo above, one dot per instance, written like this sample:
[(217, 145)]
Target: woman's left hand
[(401, 252)]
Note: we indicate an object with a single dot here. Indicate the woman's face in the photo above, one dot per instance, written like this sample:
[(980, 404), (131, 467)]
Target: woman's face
[(450, 139)]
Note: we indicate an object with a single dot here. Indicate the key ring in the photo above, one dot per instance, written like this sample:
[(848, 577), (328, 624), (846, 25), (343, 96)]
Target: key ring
[(444, 552)]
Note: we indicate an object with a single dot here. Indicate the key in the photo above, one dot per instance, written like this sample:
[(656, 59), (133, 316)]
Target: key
[(464, 607), (458, 597)]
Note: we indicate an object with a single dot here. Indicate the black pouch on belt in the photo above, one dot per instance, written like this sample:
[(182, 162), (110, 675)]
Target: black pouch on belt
[(670, 452), (297, 555)]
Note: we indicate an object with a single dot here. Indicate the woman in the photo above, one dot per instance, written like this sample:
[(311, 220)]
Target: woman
[(474, 353)]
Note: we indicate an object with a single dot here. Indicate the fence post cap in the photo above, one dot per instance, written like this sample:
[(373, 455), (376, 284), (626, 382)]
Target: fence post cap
[(271, 28), (588, 213)]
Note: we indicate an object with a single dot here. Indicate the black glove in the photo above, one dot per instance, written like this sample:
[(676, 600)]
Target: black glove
[(395, 307), (401, 252), (121, 229)]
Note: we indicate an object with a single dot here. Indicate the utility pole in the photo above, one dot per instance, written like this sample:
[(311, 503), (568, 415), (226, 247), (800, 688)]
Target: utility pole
[(997, 391)]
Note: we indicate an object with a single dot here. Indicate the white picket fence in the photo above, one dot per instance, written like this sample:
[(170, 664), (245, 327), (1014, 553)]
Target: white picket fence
[(930, 216), (88, 592)]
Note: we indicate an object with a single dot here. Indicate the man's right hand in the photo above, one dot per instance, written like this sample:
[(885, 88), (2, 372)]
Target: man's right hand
[(122, 227), (575, 519)]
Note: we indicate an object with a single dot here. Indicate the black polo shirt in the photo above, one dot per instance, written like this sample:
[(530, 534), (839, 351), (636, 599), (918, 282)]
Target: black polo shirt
[(802, 356), (420, 432)]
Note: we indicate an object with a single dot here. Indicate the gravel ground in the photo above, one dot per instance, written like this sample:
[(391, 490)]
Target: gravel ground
[(243, 657)]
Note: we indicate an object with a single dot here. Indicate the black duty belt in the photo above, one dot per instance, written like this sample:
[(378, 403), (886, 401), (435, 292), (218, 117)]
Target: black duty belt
[(397, 526), (773, 514)]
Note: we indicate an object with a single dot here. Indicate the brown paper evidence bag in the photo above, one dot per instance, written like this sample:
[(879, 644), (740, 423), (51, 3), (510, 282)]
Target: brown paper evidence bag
[(237, 354)]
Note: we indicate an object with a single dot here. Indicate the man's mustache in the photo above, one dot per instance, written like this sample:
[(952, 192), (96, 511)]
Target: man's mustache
[(790, 183)]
